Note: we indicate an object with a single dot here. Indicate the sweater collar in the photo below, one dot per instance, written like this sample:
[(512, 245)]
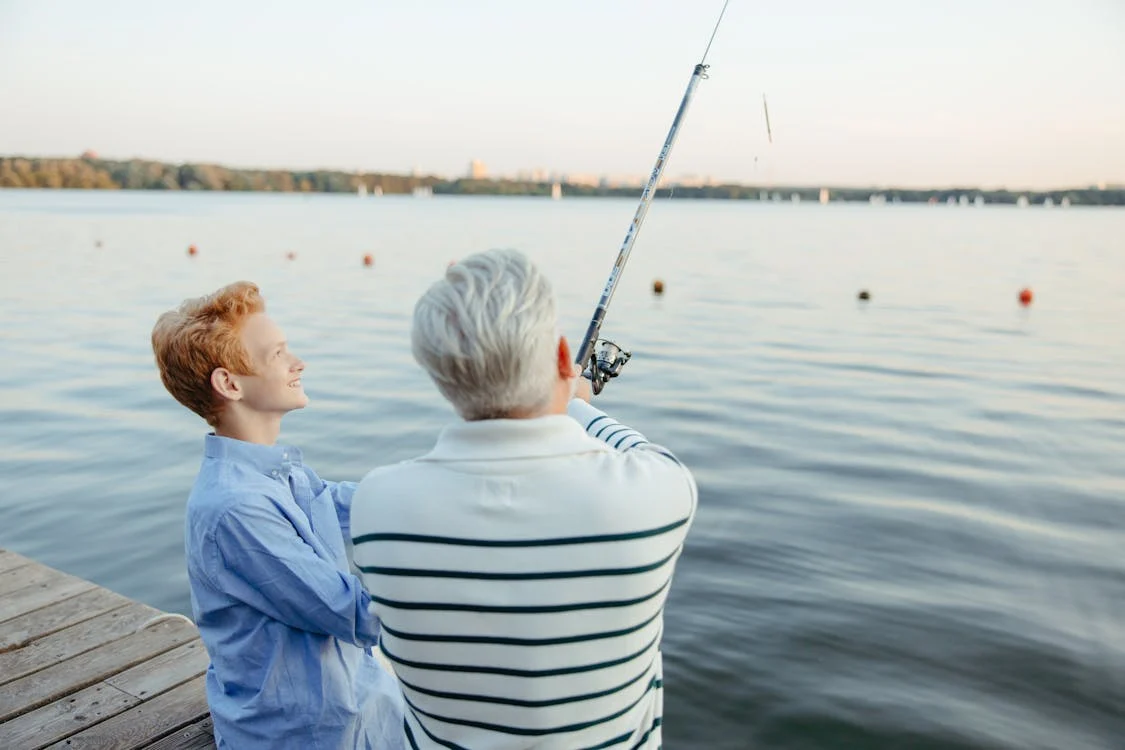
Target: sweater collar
[(501, 439)]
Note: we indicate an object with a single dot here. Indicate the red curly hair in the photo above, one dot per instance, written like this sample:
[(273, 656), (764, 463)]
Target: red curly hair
[(198, 337)]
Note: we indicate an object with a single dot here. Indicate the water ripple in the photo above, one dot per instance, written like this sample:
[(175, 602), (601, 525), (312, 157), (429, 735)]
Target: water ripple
[(911, 511)]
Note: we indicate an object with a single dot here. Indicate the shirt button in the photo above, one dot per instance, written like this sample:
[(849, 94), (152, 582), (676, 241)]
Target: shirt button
[(285, 455), (275, 472)]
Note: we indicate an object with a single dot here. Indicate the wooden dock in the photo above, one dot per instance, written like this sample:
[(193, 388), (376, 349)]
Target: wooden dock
[(83, 667)]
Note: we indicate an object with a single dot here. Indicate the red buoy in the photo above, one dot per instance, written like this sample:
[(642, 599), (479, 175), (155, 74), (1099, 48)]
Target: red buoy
[(192, 250), (369, 260), (1026, 296), (291, 255)]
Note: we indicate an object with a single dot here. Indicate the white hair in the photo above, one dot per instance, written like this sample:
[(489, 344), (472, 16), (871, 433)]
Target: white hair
[(487, 334)]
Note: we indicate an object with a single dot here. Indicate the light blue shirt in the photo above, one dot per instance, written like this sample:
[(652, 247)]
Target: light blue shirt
[(287, 626)]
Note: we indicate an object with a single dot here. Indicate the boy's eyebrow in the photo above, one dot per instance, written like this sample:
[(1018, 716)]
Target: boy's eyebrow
[(274, 345)]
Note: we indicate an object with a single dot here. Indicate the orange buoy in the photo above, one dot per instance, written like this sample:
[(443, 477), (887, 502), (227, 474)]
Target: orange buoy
[(1026, 296), (192, 250), (291, 255), (369, 260), (658, 287)]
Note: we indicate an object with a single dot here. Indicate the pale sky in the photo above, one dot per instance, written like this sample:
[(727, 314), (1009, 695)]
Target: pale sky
[(990, 93)]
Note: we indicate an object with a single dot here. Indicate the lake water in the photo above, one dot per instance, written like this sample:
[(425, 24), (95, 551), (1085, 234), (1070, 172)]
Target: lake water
[(912, 522)]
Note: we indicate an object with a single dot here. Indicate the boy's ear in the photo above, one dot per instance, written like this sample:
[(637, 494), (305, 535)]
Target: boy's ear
[(226, 384)]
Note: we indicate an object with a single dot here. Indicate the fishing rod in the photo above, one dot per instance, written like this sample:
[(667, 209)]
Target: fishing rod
[(601, 359)]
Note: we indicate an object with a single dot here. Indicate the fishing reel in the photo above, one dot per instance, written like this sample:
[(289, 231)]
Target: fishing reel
[(605, 362)]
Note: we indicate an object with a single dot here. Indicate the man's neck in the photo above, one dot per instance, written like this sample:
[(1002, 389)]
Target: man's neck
[(557, 405), (250, 428)]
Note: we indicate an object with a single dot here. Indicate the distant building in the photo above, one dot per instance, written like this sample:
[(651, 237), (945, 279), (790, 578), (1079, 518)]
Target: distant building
[(581, 178), (556, 191), (692, 180), (824, 196), (477, 170)]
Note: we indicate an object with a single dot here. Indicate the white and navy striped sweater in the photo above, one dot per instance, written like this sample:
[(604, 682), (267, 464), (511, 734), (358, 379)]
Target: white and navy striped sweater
[(520, 571)]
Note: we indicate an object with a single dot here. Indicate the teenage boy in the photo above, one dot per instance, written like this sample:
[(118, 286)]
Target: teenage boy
[(287, 627)]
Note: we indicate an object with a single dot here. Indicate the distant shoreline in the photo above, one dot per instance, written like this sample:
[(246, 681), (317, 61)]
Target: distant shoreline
[(136, 174)]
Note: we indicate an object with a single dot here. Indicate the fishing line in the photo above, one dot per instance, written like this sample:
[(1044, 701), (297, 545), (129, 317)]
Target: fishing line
[(716, 31), (766, 109)]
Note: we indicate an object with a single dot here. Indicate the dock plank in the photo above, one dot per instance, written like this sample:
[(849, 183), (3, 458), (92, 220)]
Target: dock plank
[(9, 560), (46, 685), (64, 717), (76, 639), (20, 631), (31, 574), (144, 724), (199, 736), (79, 669), (163, 672), (77, 711), (31, 598)]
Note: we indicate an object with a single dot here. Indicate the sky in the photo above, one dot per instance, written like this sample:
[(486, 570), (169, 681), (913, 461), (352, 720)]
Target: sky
[(984, 93)]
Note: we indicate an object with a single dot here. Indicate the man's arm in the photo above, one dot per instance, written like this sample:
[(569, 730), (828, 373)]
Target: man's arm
[(625, 439), (259, 559), (600, 425)]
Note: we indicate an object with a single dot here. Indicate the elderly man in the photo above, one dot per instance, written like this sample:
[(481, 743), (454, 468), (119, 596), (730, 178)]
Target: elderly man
[(520, 568)]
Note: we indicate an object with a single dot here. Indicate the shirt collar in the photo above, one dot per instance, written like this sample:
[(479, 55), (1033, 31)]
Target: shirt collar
[(266, 459), (495, 439)]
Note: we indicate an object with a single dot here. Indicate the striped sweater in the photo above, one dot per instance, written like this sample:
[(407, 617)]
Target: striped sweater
[(520, 571)]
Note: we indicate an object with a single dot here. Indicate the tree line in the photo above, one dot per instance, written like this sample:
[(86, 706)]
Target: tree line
[(139, 174)]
